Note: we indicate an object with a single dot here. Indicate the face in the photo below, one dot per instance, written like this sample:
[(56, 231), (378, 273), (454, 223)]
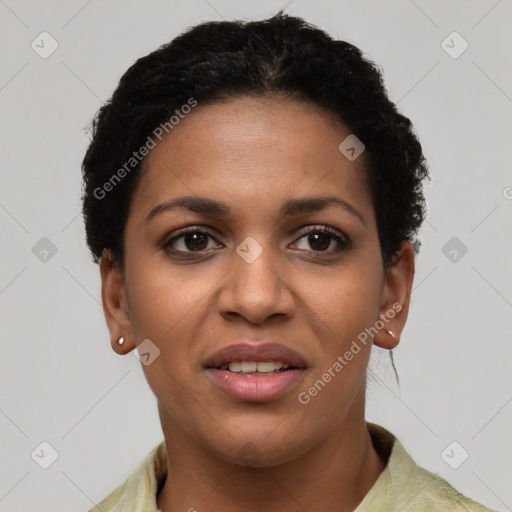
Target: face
[(252, 240)]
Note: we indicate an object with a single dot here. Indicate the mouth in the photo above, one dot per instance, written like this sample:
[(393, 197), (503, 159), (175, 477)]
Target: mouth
[(256, 368), (255, 372)]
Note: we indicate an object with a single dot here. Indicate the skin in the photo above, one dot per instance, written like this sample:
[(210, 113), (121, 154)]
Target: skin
[(253, 154)]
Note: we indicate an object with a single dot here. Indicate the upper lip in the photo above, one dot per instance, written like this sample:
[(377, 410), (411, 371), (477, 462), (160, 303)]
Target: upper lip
[(259, 352)]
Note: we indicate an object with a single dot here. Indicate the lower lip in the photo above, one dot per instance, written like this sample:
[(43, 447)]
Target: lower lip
[(260, 388)]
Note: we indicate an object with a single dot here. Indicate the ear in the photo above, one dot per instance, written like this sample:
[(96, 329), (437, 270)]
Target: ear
[(395, 297), (115, 305)]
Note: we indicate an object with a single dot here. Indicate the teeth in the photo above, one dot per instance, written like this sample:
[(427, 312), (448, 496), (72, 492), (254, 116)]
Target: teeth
[(235, 367), (266, 367), (248, 367), (253, 366)]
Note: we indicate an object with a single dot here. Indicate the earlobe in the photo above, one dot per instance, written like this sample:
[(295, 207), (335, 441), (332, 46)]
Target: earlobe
[(121, 346), (390, 342), (395, 298), (115, 306)]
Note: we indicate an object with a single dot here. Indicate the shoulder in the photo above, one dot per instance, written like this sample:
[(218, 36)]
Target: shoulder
[(138, 493), (427, 491), (407, 487)]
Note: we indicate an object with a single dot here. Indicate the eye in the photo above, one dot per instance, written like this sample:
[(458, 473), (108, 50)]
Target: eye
[(322, 239), (192, 239)]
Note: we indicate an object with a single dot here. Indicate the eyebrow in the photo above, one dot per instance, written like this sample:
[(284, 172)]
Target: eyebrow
[(291, 207)]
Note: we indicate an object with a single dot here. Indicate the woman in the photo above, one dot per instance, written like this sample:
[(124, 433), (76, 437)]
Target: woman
[(252, 197)]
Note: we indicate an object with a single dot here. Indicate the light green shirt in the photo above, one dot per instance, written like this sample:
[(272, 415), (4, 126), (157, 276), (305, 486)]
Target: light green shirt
[(402, 486)]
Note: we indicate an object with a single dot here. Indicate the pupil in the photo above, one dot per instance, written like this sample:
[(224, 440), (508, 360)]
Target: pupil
[(318, 238), (196, 241)]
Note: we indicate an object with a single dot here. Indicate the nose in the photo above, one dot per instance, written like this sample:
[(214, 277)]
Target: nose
[(256, 290)]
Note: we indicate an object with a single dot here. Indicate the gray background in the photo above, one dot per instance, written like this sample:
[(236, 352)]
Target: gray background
[(62, 383)]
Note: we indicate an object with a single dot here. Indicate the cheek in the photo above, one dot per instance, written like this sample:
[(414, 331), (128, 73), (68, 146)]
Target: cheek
[(162, 301), (169, 307), (342, 304), (164, 308)]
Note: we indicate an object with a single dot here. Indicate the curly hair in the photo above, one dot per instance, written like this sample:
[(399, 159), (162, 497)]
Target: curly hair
[(279, 56)]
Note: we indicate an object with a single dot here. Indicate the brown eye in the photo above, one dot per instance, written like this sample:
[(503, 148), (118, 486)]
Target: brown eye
[(322, 239), (190, 241), (319, 241), (195, 241)]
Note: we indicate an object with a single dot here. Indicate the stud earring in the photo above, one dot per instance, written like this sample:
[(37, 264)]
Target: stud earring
[(390, 333), (120, 341)]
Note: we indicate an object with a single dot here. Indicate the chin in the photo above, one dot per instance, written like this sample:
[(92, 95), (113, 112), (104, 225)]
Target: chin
[(259, 447)]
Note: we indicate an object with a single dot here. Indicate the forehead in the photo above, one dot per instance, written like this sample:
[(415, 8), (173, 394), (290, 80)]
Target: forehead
[(253, 149)]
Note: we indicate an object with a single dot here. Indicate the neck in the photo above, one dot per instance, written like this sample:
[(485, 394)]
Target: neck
[(335, 474)]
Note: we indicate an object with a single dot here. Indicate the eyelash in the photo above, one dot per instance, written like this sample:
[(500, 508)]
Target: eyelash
[(343, 242)]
